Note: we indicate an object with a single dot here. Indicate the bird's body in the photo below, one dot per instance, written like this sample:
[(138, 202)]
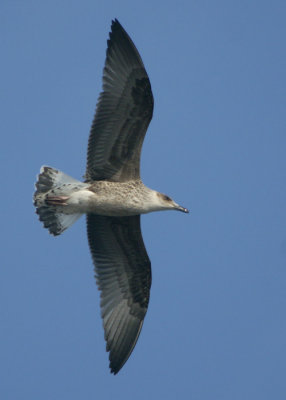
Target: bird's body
[(115, 199), (112, 196)]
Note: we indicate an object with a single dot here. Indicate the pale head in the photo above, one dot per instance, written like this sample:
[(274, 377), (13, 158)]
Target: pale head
[(166, 203)]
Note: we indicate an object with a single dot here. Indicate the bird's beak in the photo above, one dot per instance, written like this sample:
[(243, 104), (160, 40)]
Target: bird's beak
[(183, 209)]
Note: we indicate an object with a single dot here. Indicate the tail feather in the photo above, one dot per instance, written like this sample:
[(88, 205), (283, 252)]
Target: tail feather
[(55, 220), (52, 184), (51, 178)]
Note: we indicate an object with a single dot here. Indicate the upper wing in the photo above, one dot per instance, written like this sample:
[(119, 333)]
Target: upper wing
[(123, 275), (123, 113)]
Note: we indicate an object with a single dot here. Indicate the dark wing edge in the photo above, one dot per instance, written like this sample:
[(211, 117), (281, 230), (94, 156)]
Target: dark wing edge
[(123, 276), (123, 113)]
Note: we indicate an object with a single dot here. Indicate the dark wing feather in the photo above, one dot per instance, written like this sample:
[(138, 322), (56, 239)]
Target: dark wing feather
[(124, 111), (123, 275)]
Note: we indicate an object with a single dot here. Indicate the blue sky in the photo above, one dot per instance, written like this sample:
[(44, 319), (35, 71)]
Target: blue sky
[(216, 326)]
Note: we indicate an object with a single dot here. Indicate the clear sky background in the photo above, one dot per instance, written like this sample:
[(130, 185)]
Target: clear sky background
[(216, 324)]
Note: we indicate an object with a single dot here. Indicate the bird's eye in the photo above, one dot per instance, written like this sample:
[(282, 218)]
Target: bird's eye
[(167, 198)]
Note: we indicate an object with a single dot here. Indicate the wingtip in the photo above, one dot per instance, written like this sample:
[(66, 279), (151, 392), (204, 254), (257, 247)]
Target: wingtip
[(115, 28), (115, 23), (114, 371)]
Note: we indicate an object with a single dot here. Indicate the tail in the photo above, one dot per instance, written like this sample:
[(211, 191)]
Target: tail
[(52, 190)]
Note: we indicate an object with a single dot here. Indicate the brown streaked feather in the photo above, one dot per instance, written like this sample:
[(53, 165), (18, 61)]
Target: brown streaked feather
[(123, 275), (124, 111)]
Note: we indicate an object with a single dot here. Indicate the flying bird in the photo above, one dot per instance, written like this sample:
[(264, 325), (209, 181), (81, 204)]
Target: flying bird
[(112, 196)]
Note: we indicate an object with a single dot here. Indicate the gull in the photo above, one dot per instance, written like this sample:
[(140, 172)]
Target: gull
[(112, 196)]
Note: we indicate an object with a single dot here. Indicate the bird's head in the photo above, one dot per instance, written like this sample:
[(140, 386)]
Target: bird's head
[(166, 203)]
